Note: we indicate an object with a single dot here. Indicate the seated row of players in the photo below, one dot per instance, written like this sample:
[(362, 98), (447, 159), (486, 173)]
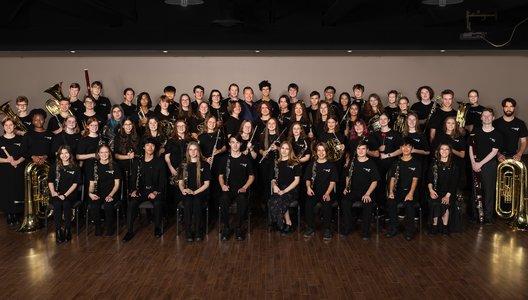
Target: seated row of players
[(385, 143)]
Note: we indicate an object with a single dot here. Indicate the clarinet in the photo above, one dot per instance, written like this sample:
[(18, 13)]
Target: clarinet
[(214, 147), (351, 173), (275, 141), (396, 175), (57, 177), (96, 176), (185, 173), (477, 189), (314, 174), (138, 173), (435, 174), (303, 150), (228, 170)]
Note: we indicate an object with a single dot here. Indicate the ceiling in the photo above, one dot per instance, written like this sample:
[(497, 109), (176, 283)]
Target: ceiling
[(238, 25)]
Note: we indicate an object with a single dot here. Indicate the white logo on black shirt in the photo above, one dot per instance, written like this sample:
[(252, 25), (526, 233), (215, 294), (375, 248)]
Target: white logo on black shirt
[(70, 172), (17, 144), (366, 169), (492, 139), (110, 172), (515, 128), (456, 140), (389, 138), (291, 167), (326, 170), (243, 165), (48, 137), (201, 169), (412, 168), (416, 140)]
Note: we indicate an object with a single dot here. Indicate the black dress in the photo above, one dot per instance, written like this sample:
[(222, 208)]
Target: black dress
[(12, 179), (284, 175)]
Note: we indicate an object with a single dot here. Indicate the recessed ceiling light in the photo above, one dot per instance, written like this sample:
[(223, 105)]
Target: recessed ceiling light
[(184, 3), (442, 51), (72, 51), (257, 51), (165, 51), (441, 3), (349, 51)]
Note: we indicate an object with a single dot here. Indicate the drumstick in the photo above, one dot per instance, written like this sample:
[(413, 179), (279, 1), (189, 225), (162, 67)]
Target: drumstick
[(6, 153)]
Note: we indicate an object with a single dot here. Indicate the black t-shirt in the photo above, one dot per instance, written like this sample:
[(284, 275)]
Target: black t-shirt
[(13, 146), (240, 169), (37, 143), (190, 179), (173, 108), (457, 143), (391, 139), (438, 118), (103, 107), (71, 140), (28, 121), (286, 173), (423, 110), (176, 149), (207, 142), (77, 108), (407, 171), (88, 145), (220, 113), (68, 175), (55, 123), (106, 177), (473, 116), (320, 179), (232, 126), (301, 147), (447, 178), (84, 118), (510, 132), (129, 110), (275, 110), (363, 175), (485, 142), (420, 141), (392, 112)]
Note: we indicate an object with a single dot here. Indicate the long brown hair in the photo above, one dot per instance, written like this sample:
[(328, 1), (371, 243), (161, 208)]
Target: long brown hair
[(198, 161), (71, 161), (292, 159)]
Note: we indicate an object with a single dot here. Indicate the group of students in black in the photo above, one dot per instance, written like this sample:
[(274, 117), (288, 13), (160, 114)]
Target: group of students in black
[(352, 153)]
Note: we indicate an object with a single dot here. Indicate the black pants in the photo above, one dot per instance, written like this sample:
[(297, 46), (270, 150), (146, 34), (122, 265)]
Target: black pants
[(488, 177), (192, 210), (109, 210), (133, 206), (241, 200), (350, 216), (309, 213), (60, 207), (408, 206)]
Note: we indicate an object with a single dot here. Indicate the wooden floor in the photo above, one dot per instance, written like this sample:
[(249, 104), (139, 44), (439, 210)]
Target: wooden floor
[(482, 263)]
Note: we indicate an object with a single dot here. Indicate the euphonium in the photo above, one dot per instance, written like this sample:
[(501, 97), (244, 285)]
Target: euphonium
[(399, 123), (6, 110), (373, 124), (52, 105), (511, 201), (36, 195), (462, 113)]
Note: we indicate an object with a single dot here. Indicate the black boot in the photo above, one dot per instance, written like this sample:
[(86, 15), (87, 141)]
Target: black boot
[(9, 219), (59, 236)]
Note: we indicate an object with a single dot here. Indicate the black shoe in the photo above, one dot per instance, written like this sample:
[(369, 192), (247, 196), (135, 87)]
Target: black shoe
[(286, 229), (365, 237), (67, 234), (445, 230), (226, 234), (98, 231), (157, 232), (239, 234), (59, 236), (391, 234), (327, 235), (198, 237), (15, 219), (308, 232), (128, 236), (189, 237), (433, 230), (409, 237), (344, 232), (9, 219)]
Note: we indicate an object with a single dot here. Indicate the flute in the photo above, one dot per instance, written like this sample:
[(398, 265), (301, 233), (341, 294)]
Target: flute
[(276, 140)]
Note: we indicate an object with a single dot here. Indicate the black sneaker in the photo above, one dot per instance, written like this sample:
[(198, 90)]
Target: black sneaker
[(239, 234), (189, 237), (226, 234), (409, 237), (445, 230), (67, 234), (365, 236), (59, 236), (128, 236), (327, 235), (433, 230), (286, 229), (391, 234), (308, 232)]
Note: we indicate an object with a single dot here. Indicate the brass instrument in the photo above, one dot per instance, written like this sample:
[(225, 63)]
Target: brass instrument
[(165, 128), (334, 149), (8, 112), (373, 124), (511, 201), (36, 195), (462, 111), (432, 111), (52, 105), (399, 124)]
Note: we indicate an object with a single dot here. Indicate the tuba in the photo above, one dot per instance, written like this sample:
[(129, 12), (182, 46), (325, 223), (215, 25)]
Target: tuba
[(52, 105), (6, 110), (511, 201), (462, 113), (36, 197)]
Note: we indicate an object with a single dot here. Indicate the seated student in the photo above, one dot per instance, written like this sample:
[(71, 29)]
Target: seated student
[(147, 183), (320, 178), (286, 178), (404, 176), (235, 177), (104, 184), (442, 184), (363, 176), (194, 179)]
